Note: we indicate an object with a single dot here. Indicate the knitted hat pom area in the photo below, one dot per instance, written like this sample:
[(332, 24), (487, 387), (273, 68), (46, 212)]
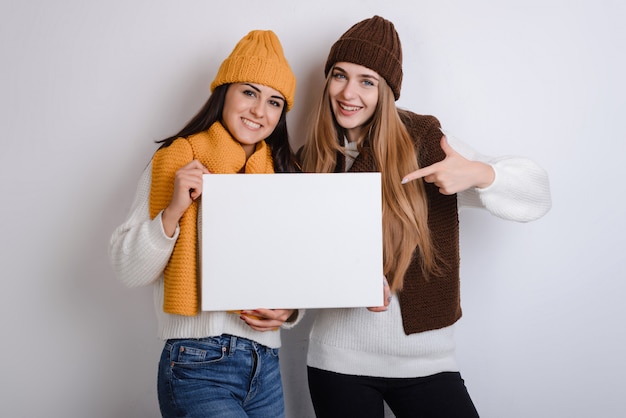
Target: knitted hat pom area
[(372, 43), (258, 58)]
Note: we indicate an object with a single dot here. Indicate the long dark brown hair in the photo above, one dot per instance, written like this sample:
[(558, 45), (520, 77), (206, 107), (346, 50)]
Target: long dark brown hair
[(211, 112)]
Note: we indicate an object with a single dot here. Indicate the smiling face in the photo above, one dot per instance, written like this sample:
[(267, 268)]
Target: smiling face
[(251, 113), (353, 93)]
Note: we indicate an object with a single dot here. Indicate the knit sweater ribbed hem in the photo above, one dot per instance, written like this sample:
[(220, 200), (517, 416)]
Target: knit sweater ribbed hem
[(359, 342)]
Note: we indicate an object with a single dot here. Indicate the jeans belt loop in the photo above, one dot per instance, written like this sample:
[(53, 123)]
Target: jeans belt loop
[(232, 347)]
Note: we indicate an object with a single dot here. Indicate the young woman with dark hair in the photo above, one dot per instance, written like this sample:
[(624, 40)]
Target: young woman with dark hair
[(213, 364)]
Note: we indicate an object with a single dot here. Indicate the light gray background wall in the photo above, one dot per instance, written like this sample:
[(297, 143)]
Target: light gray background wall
[(86, 87)]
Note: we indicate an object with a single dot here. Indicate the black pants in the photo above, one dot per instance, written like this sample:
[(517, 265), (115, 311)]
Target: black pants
[(442, 395)]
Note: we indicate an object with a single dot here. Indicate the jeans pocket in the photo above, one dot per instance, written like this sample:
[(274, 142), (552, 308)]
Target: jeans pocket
[(192, 353)]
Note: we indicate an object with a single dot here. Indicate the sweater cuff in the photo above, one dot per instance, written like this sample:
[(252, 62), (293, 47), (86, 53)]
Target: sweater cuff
[(494, 184), (520, 191), (158, 236), (294, 319)]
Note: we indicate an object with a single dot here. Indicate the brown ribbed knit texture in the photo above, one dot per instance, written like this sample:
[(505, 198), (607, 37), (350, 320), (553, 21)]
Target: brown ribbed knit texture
[(221, 154), (372, 43), (436, 302), (432, 303)]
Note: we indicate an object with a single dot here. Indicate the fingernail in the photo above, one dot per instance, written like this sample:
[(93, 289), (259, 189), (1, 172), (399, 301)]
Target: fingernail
[(405, 181)]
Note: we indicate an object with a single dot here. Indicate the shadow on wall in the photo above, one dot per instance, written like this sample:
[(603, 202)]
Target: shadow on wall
[(113, 323)]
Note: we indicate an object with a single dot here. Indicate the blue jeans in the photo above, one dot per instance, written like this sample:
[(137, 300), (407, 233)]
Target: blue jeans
[(225, 376)]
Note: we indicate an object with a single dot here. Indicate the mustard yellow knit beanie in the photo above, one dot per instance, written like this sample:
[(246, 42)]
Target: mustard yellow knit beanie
[(258, 58)]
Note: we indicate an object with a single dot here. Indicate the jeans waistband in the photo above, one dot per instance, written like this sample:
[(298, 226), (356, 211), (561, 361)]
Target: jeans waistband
[(232, 343)]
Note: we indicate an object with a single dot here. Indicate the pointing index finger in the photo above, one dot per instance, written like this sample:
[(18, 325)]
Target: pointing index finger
[(418, 174)]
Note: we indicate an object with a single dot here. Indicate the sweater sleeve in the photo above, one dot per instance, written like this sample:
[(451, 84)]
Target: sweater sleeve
[(520, 191), (139, 249)]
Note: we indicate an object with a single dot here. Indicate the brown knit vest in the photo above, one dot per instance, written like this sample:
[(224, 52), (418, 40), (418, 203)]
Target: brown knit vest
[(428, 303)]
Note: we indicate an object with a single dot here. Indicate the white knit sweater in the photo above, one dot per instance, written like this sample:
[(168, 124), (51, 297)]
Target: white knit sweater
[(359, 342), (139, 251)]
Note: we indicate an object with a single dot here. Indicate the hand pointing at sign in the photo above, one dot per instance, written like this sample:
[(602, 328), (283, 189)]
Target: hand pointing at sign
[(454, 173)]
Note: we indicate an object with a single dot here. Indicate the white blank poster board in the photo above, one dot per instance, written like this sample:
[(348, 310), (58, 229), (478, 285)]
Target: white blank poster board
[(291, 241)]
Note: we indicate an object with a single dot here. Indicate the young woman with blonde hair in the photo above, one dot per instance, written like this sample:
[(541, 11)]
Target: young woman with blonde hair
[(402, 353)]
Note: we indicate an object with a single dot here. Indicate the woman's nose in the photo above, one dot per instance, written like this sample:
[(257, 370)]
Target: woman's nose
[(257, 109), (348, 90)]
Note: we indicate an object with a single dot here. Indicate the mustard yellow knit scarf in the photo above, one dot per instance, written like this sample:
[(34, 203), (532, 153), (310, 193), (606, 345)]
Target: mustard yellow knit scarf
[(221, 154)]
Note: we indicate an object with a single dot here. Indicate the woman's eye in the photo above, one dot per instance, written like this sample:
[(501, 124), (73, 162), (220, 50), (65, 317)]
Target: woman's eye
[(368, 83), (339, 76), (275, 103), (249, 93)]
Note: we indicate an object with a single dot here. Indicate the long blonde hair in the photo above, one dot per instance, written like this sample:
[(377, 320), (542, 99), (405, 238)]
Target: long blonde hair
[(405, 209)]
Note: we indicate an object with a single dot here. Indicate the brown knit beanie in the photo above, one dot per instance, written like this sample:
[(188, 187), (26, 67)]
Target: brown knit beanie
[(258, 58), (372, 43)]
